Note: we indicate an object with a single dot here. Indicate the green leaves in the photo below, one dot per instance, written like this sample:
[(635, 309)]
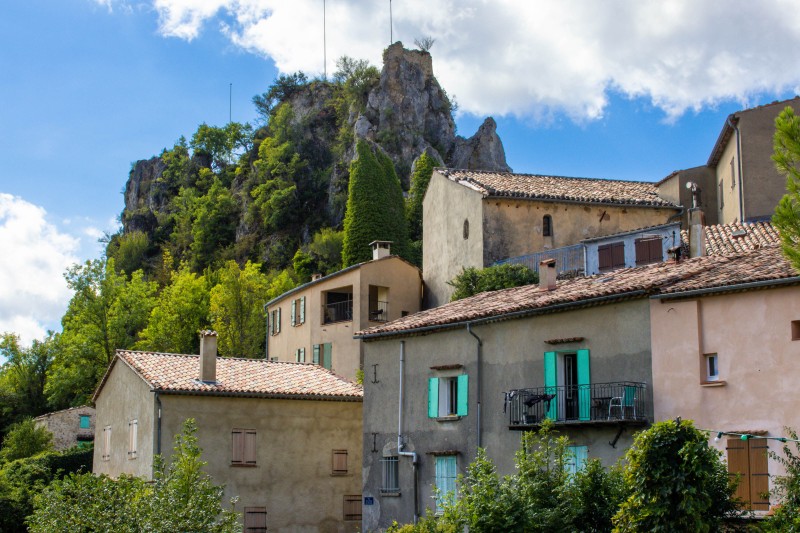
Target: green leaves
[(473, 281), (786, 143)]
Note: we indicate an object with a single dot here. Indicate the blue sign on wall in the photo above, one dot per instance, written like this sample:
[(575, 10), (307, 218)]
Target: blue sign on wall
[(369, 500)]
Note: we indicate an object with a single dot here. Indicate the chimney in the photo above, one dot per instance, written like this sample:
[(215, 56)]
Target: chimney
[(315, 276), (381, 249), (697, 232), (547, 274), (208, 356)]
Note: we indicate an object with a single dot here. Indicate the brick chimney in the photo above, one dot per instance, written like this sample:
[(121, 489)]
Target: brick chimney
[(208, 356), (381, 249), (547, 274)]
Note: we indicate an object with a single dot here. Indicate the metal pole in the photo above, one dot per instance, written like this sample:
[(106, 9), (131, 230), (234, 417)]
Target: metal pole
[(324, 43), (230, 102), (391, 35)]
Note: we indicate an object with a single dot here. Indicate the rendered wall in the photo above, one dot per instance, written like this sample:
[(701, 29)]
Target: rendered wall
[(618, 336), (670, 237)]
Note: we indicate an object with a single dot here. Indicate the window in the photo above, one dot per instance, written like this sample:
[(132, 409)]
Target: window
[(748, 459), (106, 455), (86, 422), (243, 447), (390, 483), (352, 507), (611, 256), (300, 355), (448, 396), (721, 199), (712, 367), (648, 250), (547, 226), (466, 229), (322, 355), (576, 459), (796, 330), (133, 431), (573, 371), (275, 322), (445, 480), (255, 520), (299, 311), (339, 463)]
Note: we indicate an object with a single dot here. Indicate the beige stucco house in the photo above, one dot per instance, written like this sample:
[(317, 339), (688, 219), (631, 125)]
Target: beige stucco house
[(315, 322), (725, 347), (283, 437), (70, 427), (475, 218)]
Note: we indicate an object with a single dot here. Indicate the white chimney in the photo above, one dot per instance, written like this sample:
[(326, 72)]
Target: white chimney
[(547, 274), (381, 249), (697, 232), (315, 276), (208, 356)]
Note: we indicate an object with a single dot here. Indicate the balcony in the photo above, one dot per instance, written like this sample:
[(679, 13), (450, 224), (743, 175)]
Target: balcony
[(379, 311), (337, 312), (595, 404)]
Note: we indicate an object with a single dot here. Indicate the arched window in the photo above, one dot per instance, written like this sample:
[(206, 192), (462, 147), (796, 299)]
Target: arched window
[(466, 228), (547, 226)]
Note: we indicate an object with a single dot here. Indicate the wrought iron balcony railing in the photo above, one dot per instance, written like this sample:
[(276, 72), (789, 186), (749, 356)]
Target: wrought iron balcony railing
[(379, 311), (595, 403), (338, 312)]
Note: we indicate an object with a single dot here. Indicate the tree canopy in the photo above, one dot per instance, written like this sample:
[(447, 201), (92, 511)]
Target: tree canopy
[(786, 155), (473, 280)]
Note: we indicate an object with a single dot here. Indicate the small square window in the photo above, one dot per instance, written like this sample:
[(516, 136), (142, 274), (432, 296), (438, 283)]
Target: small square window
[(796, 330), (712, 367)]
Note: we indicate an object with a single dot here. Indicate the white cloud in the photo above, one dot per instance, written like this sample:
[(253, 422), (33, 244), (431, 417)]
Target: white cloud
[(33, 292), (531, 58)]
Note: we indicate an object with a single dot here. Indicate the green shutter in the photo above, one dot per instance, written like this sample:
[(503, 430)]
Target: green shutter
[(278, 322), (294, 312), (327, 355), (302, 309), (433, 397), (271, 323), (302, 355), (315, 354), (551, 383), (584, 386), (462, 395)]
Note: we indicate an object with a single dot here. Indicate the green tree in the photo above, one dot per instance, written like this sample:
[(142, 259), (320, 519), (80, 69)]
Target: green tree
[(677, 482), (473, 281), (786, 155), (214, 225), (236, 309), (284, 88), (375, 207), (25, 439), (787, 489), (222, 144), (280, 282), (24, 373), (420, 177), (181, 310)]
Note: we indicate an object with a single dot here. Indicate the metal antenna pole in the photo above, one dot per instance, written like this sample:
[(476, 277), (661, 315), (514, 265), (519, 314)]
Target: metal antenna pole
[(230, 102), (391, 35), (324, 43)]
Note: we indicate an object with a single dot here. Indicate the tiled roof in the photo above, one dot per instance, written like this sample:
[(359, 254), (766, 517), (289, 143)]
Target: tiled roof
[(709, 271), (556, 188), (735, 238), (179, 373)]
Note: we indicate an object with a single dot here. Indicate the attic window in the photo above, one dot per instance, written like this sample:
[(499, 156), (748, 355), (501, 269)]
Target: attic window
[(466, 229)]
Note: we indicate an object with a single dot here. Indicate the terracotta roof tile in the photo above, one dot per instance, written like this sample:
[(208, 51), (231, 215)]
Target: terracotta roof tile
[(245, 377), (710, 271), (556, 188), (736, 238)]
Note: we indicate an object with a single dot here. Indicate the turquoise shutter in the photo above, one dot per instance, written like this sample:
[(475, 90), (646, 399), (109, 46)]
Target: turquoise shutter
[(302, 309), (462, 395), (433, 397), (278, 322), (551, 383), (315, 354), (271, 323), (294, 312), (302, 355), (584, 386), (327, 355)]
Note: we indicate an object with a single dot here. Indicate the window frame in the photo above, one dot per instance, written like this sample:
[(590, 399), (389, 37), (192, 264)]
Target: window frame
[(390, 475), (711, 362), (615, 250), (445, 474), (649, 250), (240, 438), (340, 457), (547, 226), (448, 396)]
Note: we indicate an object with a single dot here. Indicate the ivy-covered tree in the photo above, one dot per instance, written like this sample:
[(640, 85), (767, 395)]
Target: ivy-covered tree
[(420, 177), (375, 207), (786, 155), (473, 281)]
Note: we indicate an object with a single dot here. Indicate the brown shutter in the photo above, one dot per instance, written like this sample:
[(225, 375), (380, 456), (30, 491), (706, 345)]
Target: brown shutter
[(759, 475), (352, 507), (339, 461), (250, 447), (618, 254), (642, 252), (255, 519), (237, 446), (604, 257), (739, 465), (656, 252)]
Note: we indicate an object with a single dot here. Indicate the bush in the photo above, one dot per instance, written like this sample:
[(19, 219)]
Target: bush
[(787, 489), (473, 281)]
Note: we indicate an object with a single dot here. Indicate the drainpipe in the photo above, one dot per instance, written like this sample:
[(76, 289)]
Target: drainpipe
[(158, 425), (739, 167), (478, 376), (400, 444), (266, 336)]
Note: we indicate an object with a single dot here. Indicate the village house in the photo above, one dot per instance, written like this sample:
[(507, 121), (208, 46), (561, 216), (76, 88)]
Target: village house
[(283, 437), (474, 218), (70, 427), (315, 322), (725, 345)]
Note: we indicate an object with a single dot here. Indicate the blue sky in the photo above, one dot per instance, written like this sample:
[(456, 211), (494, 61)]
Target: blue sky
[(90, 86)]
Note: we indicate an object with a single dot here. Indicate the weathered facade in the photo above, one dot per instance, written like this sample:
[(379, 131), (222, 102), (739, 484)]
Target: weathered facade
[(473, 219), (725, 349), (316, 321), (70, 427), (283, 437)]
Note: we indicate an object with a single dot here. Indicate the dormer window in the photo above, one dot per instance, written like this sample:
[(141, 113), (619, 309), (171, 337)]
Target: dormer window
[(547, 226)]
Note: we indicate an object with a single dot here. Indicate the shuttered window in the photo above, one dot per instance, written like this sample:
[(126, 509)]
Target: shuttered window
[(85, 422), (648, 250), (352, 507), (243, 447), (339, 462), (133, 435), (448, 396), (577, 459), (275, 322), (106, 455), (748, 459), (611, 256), (446, 473), (255, 520), (300, 355), (294, 312)]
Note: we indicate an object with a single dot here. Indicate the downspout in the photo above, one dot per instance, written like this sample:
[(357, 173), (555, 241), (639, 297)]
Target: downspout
[(266, 336), (739, 167), (158, 424), (478, 378), (400, 444)]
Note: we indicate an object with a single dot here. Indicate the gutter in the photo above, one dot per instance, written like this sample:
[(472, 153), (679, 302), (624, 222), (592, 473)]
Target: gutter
[(478, 376), (158, 424), (739, 166), (729, 288), (506, 316), (266, 341), (580, 202)]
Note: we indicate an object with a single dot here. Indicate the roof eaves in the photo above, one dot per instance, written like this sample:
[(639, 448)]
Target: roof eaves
[(737, 287), (633, 232), (277, 396), (722, 140), (665, 205)]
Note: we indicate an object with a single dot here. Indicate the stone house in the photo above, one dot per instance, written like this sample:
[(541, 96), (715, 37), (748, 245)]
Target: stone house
[(315, 322), (70, 427), (283, 437), (725, 345), (475, 218)]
